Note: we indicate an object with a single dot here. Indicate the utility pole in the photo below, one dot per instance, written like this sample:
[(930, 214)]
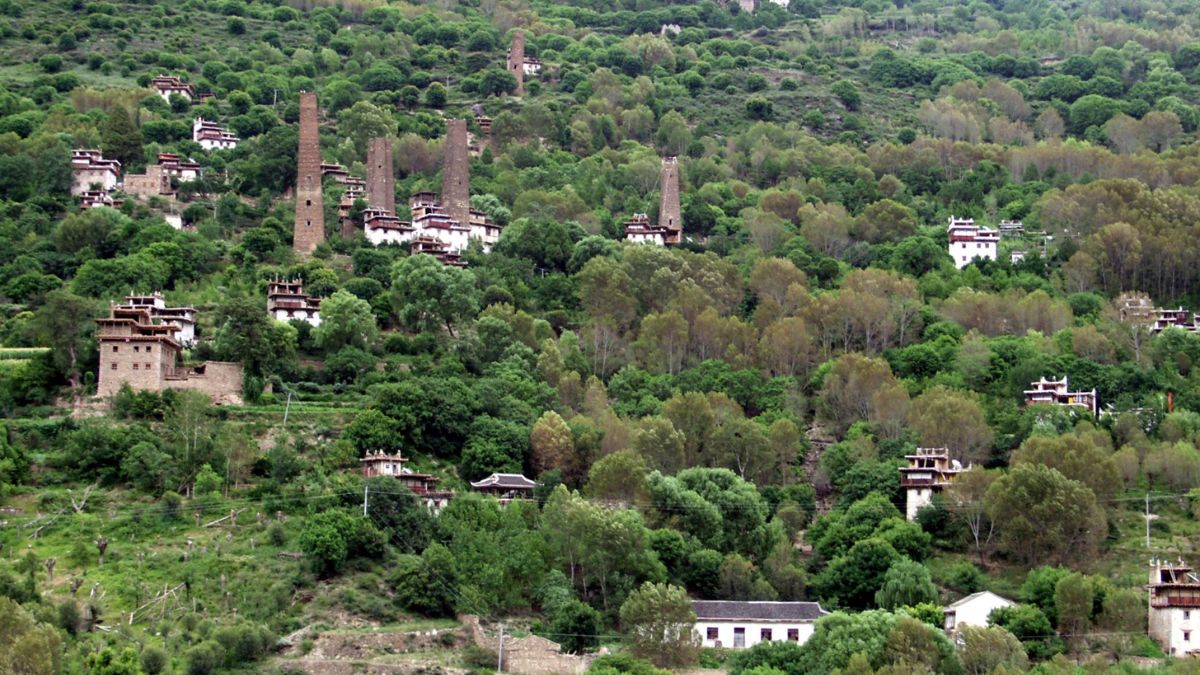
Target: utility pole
[(500, 652), (364, 500), (287, 408)]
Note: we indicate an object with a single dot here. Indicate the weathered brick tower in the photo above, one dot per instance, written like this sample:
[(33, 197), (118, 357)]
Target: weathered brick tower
[(309, 229), (516, 60), (381, 182), (669, 213), (456, 178)]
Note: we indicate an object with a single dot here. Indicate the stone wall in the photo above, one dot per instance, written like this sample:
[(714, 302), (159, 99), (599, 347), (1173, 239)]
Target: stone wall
[(456, 177), (147, 184), (669, 215), (381, 182), (309, 229), (144, 369), (221, 380), (516, 60), (531, 655)]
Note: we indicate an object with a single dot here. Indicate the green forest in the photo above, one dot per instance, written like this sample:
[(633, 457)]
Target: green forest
[(722, 419)]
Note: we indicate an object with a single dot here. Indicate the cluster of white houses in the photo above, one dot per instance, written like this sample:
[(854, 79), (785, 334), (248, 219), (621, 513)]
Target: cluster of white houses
[(212, 136)]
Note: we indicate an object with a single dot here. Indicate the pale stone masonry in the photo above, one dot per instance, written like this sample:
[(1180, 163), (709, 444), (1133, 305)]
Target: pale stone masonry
[(381, 182), (516, 61), (1174, 621), (456, 176), (309, 229), (138, 351)]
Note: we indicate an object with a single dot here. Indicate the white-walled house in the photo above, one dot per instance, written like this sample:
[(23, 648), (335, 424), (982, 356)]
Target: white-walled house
[(968, 241), (1174, 612), (973, 610), (741, 624)]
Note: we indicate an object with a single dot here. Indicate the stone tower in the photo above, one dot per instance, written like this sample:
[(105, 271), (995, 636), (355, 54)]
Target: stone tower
[(516, 60), (456, 178), (381, 183), (309, 229), (669, 214)]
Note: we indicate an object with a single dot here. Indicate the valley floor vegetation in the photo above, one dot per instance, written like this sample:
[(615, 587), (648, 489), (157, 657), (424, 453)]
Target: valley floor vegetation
[(722, 419)]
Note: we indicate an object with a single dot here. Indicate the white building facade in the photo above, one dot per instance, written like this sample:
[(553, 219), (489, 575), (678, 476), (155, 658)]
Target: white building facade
[(973, 610), (1174, 611), (969, 241), (736, 624)]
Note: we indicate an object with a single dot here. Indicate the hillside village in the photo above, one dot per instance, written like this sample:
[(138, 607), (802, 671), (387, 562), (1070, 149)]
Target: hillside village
[(720, 337)]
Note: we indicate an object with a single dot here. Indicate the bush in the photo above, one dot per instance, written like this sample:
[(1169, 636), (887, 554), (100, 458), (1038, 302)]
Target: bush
[(154, 660), (51, 63)]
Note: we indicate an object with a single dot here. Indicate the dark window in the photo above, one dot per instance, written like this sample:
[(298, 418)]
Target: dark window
[(765, 635), (135, 366), (114, 348), (711, 633), (147, 365), (1187, 636), (114, 366), (136, 348), (794, 634)]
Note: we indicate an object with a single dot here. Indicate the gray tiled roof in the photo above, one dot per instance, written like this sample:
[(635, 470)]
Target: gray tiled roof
[(513, 481), (728, 610)]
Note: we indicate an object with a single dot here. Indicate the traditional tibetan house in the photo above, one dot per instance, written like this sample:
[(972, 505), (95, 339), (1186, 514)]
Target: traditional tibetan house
[(1174, 603), (929, 471), (423, 485), (506, 486), (1057, 392)]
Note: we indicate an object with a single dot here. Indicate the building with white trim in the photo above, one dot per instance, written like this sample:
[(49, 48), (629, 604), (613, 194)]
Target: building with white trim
[(969, 241), (737, 624)]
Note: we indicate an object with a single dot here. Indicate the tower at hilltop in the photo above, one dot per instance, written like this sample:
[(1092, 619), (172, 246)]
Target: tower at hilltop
[(516, 60), (456, 177), (381, 182), (669, 212), (309, 229)]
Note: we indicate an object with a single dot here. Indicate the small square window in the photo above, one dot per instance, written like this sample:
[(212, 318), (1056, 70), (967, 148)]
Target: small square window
[(710, 633), (765, 635), (115, 348), (794, 634), (147, 365), (114, 366), (136, 348), (135, 366)]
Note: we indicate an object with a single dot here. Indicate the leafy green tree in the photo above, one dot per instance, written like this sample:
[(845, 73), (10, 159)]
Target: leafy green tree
[(109, 661), (27, 646), (906, 584), (346, 320), (363, 121), (427, 584), (398, 513), (1073, 599), (497, 82), (1043, 515), (64, 323), (246, 333), (1032, 626), (120, 138), (332, 537), (576, 627), (659, 621), (986, 650), (427, 294), (853, 579), (847, 93)]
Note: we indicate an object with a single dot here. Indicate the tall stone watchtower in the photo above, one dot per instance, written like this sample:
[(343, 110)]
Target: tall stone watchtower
[(456, 178), (309, 229), (669, 213), (381, 182), (516, 60)]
